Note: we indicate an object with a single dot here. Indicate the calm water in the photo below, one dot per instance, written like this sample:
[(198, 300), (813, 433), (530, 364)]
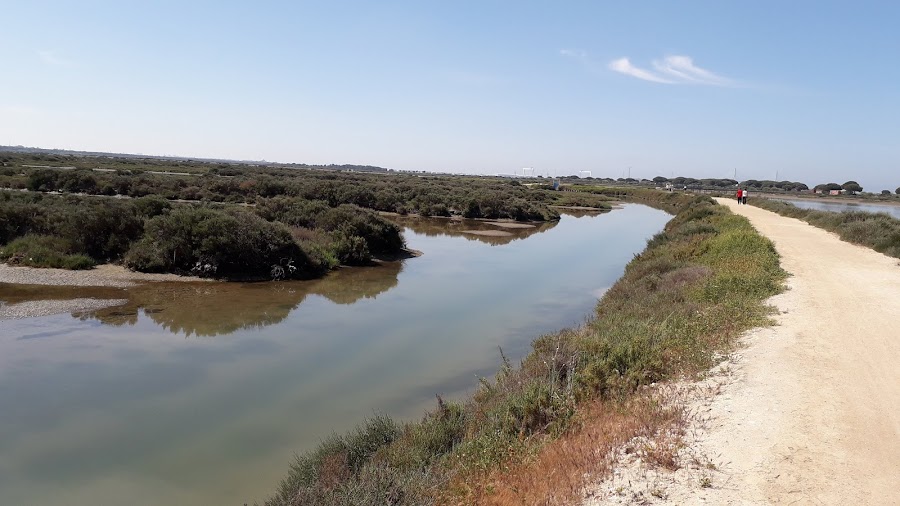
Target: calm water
[(820, 205), (195, 394)]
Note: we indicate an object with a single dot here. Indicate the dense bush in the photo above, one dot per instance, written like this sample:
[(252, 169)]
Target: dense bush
[(204, 241), (100, 228), (353, 234), (207, 242)]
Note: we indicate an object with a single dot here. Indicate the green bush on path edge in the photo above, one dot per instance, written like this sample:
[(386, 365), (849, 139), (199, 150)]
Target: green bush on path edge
[(680, 303)]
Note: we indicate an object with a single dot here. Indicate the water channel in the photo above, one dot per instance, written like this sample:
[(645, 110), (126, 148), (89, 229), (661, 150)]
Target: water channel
[(201, 393), (837, 207)]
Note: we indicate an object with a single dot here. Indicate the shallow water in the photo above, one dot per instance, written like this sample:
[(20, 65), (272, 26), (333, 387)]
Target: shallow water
[(200, 393), (837, 207)]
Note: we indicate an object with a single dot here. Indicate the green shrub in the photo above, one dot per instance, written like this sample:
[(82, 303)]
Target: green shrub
[(229, 244), (44, 251)]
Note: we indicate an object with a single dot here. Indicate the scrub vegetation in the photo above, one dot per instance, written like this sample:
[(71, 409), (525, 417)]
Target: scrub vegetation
[(536, 430), (387, 191), (151, 234), (232, 220), (879, 231)]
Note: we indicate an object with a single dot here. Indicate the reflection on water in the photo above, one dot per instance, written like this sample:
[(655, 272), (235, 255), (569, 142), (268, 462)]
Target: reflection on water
[(837, 207), (210, 309), (489, 232), (117, 407)]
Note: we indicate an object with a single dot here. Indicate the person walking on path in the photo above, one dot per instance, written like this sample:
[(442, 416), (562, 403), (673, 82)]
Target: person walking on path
[(740, 195), (744, 197)]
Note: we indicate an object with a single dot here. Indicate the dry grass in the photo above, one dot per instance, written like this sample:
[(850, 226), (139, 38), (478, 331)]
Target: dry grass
[(560, 471)]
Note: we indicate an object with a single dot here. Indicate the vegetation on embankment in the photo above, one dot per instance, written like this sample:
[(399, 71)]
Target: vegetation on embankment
[(698, 285), (879, 231)]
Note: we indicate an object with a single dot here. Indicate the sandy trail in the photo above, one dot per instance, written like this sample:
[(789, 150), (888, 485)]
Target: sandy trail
[(809, 412), (828, 378)]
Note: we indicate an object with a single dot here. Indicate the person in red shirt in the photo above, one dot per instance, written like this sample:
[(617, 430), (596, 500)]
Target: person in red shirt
[(740, 194)]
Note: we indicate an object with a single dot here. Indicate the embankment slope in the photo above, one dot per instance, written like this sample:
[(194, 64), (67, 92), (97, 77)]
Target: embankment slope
[(815, 415)]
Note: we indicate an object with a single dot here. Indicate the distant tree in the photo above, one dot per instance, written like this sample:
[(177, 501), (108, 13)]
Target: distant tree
[(660, 179), (852, 187), (885, 192), (828, 186), (897, 191)]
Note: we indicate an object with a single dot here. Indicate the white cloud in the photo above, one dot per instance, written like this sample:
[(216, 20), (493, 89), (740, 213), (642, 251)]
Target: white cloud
[(51, 58), (623, 66), (683, 68), (676, 69)]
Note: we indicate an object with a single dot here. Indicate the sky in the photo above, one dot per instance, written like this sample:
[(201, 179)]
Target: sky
[(799, 90)]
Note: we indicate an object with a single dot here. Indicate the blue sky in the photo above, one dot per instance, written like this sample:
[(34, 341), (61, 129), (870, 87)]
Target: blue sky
[(698, 88)]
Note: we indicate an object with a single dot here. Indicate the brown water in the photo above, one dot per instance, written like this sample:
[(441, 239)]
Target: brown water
[(200, 393)]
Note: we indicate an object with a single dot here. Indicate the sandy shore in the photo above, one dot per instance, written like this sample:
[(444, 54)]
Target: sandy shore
[(102, 275), (35, 308)]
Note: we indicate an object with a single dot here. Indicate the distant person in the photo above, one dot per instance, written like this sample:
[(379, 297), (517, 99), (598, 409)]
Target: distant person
[(740, 195), (744, 196)]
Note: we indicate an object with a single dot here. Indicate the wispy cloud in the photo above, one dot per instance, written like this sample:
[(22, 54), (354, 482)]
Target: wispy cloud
[(683, 68), (675, 69), (623, 66), (51, 58)]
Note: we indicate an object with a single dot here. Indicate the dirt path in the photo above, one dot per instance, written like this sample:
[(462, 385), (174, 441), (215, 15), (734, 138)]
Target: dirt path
[(809, 411), (825, 387)]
